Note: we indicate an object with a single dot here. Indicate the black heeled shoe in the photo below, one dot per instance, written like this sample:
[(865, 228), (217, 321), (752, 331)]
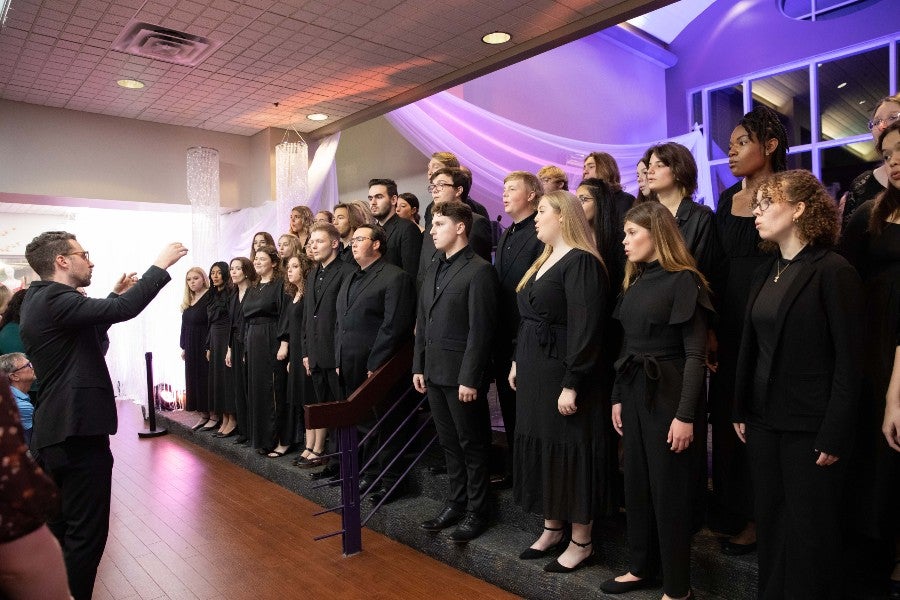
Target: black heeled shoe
[(200, 425), (555, 567), (211, 425), (534, 553)]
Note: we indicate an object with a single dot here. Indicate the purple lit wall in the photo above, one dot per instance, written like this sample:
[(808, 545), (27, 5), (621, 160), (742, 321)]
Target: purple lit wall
[(732, 38)]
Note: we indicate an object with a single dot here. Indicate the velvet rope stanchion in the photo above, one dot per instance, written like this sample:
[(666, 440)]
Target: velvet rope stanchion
[(151, 403)]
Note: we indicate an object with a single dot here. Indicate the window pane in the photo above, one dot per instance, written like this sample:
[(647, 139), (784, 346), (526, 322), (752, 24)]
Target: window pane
[(722, 179), (697, 108), (726, 107), (800, 160), (788, 94), (849, 90), (843, 164)]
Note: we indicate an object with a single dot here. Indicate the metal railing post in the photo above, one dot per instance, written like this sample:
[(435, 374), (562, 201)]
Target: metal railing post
[(350, 515)]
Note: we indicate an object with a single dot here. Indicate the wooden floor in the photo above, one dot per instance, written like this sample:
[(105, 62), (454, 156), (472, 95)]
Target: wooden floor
[(188, 524)]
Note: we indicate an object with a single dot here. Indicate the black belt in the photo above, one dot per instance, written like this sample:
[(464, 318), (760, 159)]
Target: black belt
[(547, 335), (627, 368)]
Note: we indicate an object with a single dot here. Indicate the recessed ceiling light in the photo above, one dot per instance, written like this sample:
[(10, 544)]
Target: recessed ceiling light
[(496, 37), (842, 84), (131, 84), (317, 117)]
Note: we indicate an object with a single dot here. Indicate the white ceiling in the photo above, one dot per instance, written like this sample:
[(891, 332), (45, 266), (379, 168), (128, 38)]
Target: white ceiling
[(666, 23), (351, 59)]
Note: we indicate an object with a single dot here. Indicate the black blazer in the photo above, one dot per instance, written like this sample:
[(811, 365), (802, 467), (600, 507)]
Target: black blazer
[(697, 223), (373, 324), (512, 259), (455, 327), (319, 316), (814, 381), (404, 244), (60, 330), (480, 240)]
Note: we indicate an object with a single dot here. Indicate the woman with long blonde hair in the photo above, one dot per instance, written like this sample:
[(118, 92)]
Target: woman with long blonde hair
[(301, 222), (194, 332), (658, 393), (560, 300)]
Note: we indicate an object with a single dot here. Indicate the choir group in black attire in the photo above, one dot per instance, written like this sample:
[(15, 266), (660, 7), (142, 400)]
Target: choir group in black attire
[(601, 314)]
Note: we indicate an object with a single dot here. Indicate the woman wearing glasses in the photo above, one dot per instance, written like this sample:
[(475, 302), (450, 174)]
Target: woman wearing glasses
[(797, 388), (871, 183)]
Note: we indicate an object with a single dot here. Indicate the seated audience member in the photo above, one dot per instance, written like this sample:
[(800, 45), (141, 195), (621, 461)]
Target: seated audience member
[(31, 561), (18, 369), (408, 208), (455, 323), (10, 341), (5, 295), (323, 216), (404, 239), (553, 178)]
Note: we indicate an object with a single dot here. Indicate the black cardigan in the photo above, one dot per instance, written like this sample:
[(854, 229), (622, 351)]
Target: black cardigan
[(814, 380)]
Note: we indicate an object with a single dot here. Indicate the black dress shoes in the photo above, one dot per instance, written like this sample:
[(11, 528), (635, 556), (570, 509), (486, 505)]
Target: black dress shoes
[(211, 425), (382, 494), (501, 482), (470, 528), (240, 439), (732, 549), (364, 484), (449, 516), (437, 469), (611, 586), (557, 567), (231, 433), (200, 425)]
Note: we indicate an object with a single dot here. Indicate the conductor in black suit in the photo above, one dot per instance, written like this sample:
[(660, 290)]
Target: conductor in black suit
[(404, 240), (455, 324), (62, 331), (375, 316), (517, 250)]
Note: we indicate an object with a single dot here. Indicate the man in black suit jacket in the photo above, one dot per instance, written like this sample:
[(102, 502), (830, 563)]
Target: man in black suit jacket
[(76, 414), (454, 333), (453, 184), (404, 240), (517, 250)]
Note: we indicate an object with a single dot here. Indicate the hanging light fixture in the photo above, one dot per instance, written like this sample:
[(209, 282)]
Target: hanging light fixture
[(203, 194), (291, 177)]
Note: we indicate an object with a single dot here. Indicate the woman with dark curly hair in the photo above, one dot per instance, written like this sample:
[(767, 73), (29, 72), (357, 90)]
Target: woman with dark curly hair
[(797, 387)]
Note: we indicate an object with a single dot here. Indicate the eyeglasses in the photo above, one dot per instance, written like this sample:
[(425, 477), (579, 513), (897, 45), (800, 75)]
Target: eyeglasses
[(549, 180), (585, 199), (438, 187), (763, 205), (25, 366), (359, 239), (885, 121), (83, 254)]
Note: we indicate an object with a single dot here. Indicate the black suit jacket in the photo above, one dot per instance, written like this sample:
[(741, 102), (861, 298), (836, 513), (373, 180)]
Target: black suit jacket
[(59, 329), (404, 244), (374, 323), (319, 316), (516, 252), (814, 380), (480, 240), (455, 326)]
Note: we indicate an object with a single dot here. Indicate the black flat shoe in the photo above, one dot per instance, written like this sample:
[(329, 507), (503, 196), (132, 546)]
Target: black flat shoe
[(200, 425), (556, 567), (558, 547), (470, 528), (449, 516), (231, 433), (211, 425), (732, 549), (611, 586)]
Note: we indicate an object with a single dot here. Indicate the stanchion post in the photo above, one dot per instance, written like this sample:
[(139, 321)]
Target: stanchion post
[(151, 402)]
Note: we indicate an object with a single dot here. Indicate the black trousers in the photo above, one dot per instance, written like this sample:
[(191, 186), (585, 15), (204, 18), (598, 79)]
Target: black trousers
[(326, 384), (797, 516), (464, 432), (82, 469), (506, 397), (239, 380), (660, 486)]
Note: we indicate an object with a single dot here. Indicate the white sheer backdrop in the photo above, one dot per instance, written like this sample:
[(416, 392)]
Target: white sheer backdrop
[(492, 146)]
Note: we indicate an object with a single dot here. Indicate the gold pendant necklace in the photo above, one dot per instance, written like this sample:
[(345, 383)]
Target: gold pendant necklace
[(780, 269)]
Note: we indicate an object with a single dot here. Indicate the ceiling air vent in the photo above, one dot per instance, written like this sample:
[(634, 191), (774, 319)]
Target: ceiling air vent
[(159, 43)]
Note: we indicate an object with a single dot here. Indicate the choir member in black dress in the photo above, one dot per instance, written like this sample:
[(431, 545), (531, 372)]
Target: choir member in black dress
[(242, 276), (301, 220), (598, 202), (601, 165), (194, 331), (757, 148), (517, 250), (561, 302), (260, 239), (871, 242), (871, 183), (265, 317), (221, 390), (299, 383), (797, 388), (664, 311), (288, 245), (643, 189), (408, 208)]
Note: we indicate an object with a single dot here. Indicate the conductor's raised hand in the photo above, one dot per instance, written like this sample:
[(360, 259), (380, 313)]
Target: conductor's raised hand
[(124, 283), (170, 255)]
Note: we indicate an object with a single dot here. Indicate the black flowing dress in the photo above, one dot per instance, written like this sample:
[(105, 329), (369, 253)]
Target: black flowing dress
[(194, 332), (238, 371), (557, 347), (221, 390), (862, 189), (299, 384), (742, 256), (874, 474), (265, 318)]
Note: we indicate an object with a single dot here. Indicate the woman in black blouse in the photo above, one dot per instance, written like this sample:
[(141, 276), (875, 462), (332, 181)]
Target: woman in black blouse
[(561, 301), (265, 318), (643, 189), (797, 387), (658, 392), (221, 392), (758, 148), (260, 239), (194, 333), (242, 277), (299, 382), (601, 165)]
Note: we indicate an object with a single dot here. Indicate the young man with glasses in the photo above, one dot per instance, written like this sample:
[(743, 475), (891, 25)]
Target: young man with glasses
[(77, 412)]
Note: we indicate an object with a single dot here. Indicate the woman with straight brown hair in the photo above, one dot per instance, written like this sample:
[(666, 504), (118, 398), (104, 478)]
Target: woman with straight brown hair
[(242, 277)]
